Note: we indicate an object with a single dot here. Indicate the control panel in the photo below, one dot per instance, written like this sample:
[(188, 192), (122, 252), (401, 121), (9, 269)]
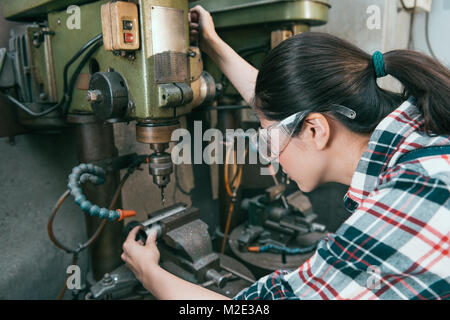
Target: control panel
[(120, 26)]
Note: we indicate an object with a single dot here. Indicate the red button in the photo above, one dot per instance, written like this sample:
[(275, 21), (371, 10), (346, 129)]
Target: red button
[(128, 37)]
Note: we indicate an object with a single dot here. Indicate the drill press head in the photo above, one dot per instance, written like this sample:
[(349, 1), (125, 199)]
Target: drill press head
[(158, 136), (160, 166)]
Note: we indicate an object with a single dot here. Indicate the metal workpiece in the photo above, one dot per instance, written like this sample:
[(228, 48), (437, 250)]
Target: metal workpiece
[(164, 214), (148, 226), (217, 278)]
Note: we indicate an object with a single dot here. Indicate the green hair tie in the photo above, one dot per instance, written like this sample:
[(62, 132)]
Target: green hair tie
[(378, 63)]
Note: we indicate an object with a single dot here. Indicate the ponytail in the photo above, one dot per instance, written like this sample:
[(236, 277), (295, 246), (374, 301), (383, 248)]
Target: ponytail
[(428, 81), (315, 71)]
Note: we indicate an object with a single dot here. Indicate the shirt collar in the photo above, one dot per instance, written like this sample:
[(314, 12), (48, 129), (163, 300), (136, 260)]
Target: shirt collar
[(382, 151)]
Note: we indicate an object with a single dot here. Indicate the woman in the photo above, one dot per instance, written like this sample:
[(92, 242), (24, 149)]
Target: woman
[(391, 149)]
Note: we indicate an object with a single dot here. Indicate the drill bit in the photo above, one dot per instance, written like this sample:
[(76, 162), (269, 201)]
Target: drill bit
[(163, 197)]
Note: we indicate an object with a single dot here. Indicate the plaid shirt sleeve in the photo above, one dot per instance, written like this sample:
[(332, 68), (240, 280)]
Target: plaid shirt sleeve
[(394, 246)]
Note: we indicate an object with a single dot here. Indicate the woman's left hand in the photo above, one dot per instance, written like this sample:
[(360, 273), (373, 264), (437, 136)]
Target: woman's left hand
[(141, 259)]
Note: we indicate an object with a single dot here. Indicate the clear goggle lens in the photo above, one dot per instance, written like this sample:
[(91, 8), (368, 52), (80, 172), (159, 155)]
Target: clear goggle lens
[(271, 141)]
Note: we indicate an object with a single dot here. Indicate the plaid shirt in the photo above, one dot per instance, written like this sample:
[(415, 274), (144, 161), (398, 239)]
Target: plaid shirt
[(395, 245)]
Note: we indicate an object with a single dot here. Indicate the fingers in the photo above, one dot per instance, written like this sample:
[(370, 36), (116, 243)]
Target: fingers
[(130, 242), (151, 239), (196, 13), (194, 27), (132, 234), (194, 30), (194, 16), (199, 9)]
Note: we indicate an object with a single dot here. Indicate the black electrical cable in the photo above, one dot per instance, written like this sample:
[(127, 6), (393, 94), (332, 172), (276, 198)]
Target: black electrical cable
[(404, 6), (67, 91), (427, 36), (427, 28), (77, 72), (411, 26), (76, 56)]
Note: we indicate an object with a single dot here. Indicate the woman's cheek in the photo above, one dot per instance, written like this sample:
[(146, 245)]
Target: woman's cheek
[(292, 166), (300, 169)]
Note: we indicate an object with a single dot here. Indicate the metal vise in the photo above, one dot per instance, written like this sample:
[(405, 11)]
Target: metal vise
[(185, 247)]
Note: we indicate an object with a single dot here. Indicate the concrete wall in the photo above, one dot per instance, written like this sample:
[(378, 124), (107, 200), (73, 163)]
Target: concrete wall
[(351, 20)]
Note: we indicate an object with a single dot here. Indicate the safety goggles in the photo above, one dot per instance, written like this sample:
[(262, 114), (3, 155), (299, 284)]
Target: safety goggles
[(271, 141)]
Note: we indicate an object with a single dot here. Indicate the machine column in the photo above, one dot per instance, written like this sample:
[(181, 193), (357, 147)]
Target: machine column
[(95, 141)]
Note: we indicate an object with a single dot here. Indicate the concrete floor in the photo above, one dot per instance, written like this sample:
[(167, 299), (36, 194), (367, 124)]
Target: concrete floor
[(33, 174)]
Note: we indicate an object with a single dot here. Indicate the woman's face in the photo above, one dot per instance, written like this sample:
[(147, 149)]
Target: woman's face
[(301, 160)]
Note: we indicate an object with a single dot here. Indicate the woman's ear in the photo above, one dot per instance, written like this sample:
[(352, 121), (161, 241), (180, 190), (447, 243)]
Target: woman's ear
[(316, 128)]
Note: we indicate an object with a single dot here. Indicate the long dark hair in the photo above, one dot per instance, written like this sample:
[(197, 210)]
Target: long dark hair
[(316, 70)]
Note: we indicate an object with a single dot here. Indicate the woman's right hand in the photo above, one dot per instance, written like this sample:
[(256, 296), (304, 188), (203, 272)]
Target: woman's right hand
[(201, 27)]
